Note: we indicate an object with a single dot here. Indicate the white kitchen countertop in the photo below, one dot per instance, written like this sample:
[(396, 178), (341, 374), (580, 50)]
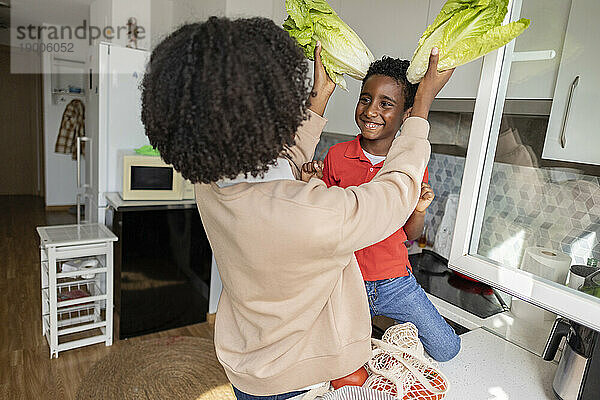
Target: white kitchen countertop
[(527, 334), (491, 368), (116, 201)]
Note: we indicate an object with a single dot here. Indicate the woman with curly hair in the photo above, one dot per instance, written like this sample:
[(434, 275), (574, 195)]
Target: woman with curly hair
[(228, 104)]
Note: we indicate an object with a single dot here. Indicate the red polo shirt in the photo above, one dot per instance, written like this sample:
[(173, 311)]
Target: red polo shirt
[(346, 165)]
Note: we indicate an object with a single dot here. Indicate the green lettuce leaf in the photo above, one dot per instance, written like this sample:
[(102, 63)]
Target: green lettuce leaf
[(342, 50), (463, 31)]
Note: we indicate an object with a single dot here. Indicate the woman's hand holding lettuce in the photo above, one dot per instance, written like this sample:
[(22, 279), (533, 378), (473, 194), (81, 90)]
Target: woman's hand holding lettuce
[(463, 31), (323, 86), (430, 86), (343, 52)]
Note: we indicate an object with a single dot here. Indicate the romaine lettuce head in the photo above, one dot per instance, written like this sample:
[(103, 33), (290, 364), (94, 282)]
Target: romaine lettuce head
[(342, 51), (463, 31)]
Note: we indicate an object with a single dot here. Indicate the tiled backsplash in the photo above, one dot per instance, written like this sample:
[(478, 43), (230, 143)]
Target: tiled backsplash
[(445, 178), (526, 206), (529, 206)]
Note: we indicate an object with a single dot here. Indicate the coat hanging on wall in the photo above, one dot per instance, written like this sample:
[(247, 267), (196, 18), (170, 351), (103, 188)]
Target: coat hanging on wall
[(72, 126)]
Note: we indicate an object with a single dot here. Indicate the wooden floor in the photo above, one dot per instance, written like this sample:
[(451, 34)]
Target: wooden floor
[(26, 371)]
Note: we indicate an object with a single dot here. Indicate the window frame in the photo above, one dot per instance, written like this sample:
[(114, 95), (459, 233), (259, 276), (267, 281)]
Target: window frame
[(489, 106)]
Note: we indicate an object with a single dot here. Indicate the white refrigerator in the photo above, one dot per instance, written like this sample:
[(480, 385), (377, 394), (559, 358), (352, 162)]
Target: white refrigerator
[(115, 126)]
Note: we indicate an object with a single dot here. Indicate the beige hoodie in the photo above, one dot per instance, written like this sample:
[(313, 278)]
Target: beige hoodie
[(293, 311)]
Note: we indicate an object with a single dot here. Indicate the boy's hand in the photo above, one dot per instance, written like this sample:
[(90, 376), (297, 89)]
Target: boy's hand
[(430, 86), (425, 198), (312, 169), (323, 86)]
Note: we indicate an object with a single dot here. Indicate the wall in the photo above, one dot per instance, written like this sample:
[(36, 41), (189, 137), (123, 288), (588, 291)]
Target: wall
[(168, 15), (159, 17), (242, 8), (141, 10), (58, 12), (100, 15), (116, 14), (186, 11), (161, 20)]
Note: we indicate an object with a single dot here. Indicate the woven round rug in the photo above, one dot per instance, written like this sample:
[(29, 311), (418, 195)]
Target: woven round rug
[(168, 368)]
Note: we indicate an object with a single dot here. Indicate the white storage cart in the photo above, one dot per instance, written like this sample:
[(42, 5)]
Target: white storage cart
[(77, 285)]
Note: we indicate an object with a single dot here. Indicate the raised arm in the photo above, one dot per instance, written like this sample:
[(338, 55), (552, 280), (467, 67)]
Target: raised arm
[(323, 86), (309, 132)]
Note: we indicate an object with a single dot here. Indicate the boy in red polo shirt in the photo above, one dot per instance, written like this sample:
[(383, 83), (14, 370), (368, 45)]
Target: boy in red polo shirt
[(385, 102)]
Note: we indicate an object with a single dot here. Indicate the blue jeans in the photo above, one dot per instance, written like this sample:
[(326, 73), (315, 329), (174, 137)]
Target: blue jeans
[(244, 396), (404, 300)]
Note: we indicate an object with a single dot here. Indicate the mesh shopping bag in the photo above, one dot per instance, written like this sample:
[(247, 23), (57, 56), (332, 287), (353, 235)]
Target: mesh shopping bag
[(345, 393), (400, 368)]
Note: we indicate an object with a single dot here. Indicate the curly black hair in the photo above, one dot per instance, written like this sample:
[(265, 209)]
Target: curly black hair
[(224, 97), (395, 68)]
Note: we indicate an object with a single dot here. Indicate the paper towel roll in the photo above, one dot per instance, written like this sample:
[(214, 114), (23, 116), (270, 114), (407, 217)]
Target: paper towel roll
[(546, 263)]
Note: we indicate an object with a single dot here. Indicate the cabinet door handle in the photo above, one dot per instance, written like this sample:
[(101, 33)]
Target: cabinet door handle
[(78, 162), (88, 155), (563, 134), (79, 185), (89, 152)]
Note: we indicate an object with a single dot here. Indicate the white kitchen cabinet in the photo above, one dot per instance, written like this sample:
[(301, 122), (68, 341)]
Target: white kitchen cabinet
[(465, 79), (506, 207), (536, 79), (573, 127)]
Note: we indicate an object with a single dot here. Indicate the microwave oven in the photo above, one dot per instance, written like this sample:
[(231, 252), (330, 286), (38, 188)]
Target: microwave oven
[(150, 178)]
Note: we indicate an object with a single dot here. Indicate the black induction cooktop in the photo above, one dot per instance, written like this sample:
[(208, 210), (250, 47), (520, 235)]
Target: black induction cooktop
[(432, 272)]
